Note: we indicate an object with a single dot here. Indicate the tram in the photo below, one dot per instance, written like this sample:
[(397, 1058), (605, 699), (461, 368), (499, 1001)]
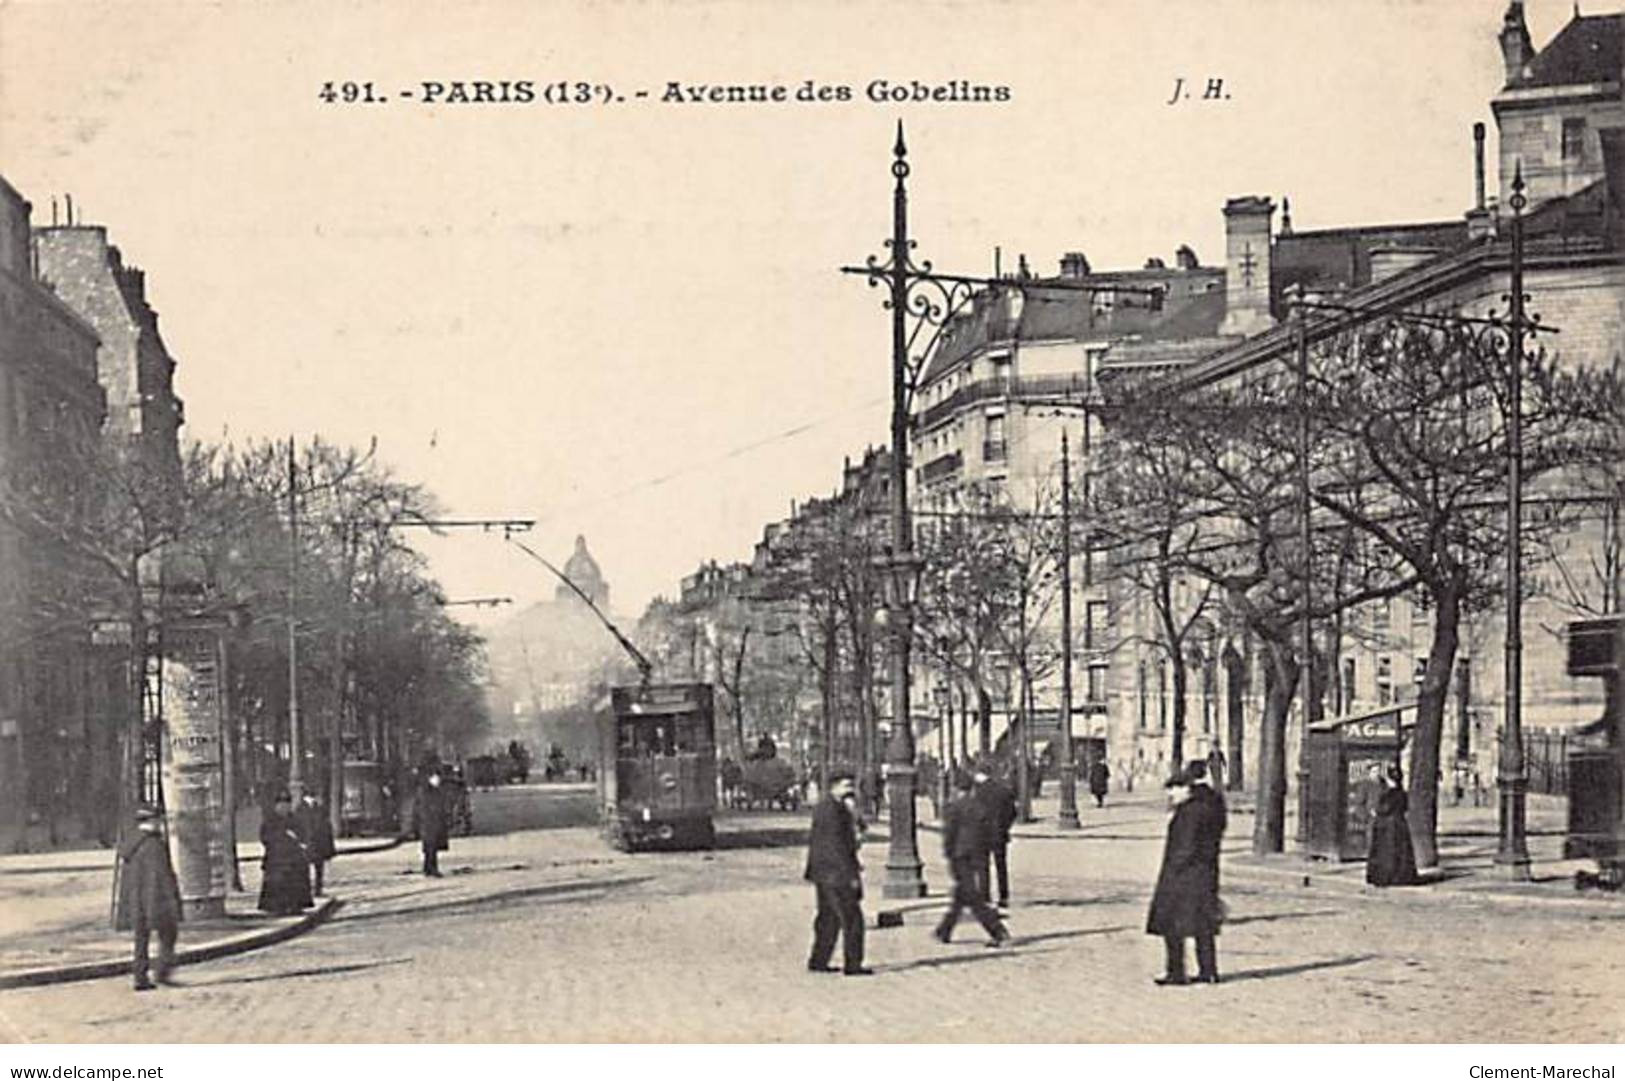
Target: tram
[(657, 775)]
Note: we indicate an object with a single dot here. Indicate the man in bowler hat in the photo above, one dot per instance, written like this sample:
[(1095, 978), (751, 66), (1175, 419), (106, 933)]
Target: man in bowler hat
[(1186, 901), (833, 869), (149, 896)]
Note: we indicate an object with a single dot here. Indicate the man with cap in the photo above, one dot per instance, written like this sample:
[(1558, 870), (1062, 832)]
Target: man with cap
[(998, 802), (833, 869), (149, 897)]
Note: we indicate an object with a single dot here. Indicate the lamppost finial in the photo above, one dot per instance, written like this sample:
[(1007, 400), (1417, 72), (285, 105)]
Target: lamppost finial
[(1518, 200), (900, 151)]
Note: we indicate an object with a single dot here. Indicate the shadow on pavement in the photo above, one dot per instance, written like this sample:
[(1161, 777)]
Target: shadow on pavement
[(1086, 932), (1273, 916), (1294, 970), (1086, 902), (458, 904), (298, 973), (957, 959), (762, 837)]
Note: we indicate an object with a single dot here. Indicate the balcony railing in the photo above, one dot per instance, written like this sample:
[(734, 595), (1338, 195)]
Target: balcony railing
[(945, 466), (1072, 387)]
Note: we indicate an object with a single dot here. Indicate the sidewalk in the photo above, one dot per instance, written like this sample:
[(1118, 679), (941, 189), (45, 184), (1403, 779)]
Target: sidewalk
[(55, 916), (1468, 838)]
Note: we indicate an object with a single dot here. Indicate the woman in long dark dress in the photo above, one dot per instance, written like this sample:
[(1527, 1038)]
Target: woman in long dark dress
[(1391, 860), (285, 873)]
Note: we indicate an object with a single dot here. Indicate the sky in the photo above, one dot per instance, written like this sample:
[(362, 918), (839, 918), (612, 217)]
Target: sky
[(625, 319)]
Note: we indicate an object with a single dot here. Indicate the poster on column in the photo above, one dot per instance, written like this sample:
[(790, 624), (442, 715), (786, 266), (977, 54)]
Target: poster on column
[(194, 785)]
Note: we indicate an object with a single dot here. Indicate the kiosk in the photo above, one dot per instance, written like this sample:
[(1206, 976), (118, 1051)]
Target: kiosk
[(1343, 791), (1596, 764)]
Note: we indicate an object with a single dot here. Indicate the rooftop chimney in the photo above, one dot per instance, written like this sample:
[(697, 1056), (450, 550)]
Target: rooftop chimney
[(1478, 165), (1247, 265), (1516, 48), (1185, 258), (1074, 265)]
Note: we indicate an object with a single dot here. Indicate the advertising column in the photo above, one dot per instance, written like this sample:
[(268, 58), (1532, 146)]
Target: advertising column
[(193, 780)]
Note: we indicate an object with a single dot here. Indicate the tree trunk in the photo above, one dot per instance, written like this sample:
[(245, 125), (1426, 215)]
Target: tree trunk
[(826, 692), (1269, 821), (1180, 679), (1430, 704), (1019, 740), (984, 720), (1235, 670)]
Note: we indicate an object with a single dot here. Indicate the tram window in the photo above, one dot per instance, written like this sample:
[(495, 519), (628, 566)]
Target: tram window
[(692, 737)]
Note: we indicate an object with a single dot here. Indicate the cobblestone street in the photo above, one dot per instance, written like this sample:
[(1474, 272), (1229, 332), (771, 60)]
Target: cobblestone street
[(547, 935)]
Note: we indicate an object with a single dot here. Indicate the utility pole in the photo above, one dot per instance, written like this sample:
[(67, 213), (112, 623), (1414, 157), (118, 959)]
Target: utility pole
[(1067, 818), (1306, 540), (296, 768)]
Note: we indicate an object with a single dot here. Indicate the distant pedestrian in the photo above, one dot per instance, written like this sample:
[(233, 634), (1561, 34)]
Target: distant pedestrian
[(284, 871), (316, 833), (1100, 776), (1215, 768), (836, 875), (999, 805), (967, 835), (1391, 859), (1186, 901), (149, 897), (431, 810)]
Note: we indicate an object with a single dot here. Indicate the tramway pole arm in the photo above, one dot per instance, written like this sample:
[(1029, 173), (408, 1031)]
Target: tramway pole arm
[(645, 669)]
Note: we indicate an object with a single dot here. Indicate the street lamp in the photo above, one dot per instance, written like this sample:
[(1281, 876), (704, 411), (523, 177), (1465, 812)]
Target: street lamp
[(1067, 817), (1512, 856), (901, 579), (919, 295)]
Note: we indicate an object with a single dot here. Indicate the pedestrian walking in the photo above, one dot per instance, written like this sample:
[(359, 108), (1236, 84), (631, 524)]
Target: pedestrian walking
[(316, 834), (149, 897), (284, 870), (967, 836), (1391, 859), (1186, 901), (430, 809), (998, 801), (1215, 768), (1100, 776), (836, 875)]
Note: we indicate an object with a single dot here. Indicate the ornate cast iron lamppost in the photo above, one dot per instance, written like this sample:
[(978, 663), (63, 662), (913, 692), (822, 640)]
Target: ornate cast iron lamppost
[(924, 298)]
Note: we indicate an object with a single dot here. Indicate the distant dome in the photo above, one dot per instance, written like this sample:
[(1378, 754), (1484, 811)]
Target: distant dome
[(582, 569)]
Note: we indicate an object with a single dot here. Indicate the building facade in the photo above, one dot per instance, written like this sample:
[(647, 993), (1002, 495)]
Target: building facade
[(51, 406)]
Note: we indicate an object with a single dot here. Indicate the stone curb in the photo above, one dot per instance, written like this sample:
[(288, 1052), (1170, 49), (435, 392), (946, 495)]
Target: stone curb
[(353, 850), (209, 951)]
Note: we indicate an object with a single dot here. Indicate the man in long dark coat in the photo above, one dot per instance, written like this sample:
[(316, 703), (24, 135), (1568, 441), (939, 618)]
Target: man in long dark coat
[(149, 896), (1100, 776), (431, 809), (998, 802), (967, 834), (1186, 901), (833, 869), (316, 833)]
